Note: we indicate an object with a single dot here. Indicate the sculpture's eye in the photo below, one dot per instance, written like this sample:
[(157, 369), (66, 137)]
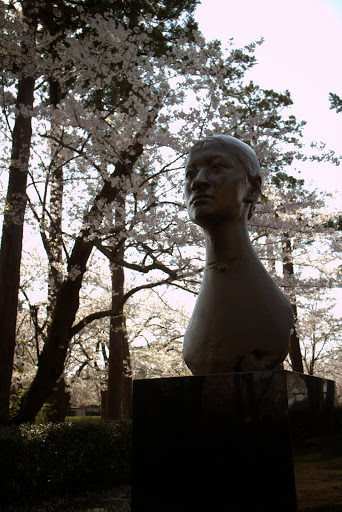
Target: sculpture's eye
[(216, 166), (220, 165)]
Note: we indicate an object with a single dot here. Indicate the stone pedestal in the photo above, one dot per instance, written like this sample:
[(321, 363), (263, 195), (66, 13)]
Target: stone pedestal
[(311, 402), (214, 443)]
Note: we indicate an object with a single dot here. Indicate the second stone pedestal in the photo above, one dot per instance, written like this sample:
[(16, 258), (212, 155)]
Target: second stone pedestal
[(212, 443)]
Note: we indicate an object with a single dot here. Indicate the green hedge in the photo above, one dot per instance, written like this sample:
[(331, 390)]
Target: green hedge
[(37, 461), (83, 418)]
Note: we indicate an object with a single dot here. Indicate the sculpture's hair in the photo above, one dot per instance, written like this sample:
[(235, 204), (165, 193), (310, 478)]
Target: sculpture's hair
[(244, 155)]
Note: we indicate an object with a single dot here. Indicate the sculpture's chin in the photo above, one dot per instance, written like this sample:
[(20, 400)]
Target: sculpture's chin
[(204, 220)]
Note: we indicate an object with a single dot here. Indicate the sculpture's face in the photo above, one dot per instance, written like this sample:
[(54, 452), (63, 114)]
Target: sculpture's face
[(216, 185)]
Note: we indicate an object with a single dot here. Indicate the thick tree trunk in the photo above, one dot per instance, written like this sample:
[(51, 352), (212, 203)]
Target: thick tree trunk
[(119, 385), (270, 255), (59, 403), (55, 240), (12, 237), (117, 339), (295, 352), (52, 358), (288, 269), (127, 385)]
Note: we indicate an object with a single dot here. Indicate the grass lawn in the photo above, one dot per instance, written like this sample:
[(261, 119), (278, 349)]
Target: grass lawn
[(319, 478)]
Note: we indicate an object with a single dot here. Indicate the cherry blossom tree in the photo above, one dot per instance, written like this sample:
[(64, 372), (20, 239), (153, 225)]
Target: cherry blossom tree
[(43, 38), (103, 141), (120, 97)]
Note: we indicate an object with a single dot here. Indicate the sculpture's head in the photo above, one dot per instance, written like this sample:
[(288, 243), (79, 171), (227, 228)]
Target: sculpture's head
[(222, 180)]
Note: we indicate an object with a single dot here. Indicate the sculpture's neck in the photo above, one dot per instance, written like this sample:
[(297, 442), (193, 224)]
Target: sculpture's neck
[(228, 241)]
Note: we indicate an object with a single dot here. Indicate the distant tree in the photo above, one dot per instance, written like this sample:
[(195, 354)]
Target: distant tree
[(156, 329), (320, 332), (335, 102), (256, 116)]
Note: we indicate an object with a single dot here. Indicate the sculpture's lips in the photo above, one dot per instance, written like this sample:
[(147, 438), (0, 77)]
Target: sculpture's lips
[(200, 197)]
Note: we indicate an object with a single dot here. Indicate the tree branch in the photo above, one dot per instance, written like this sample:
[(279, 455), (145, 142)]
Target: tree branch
[(112, 312)]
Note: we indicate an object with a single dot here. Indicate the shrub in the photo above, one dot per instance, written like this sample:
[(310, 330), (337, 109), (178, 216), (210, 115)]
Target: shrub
[(63, 458)]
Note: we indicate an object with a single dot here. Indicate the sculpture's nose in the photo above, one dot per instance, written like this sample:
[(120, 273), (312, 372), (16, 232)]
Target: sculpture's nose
[(201, 179)]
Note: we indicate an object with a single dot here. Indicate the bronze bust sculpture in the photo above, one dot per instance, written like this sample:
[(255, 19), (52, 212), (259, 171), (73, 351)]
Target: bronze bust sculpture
[(241, 320)]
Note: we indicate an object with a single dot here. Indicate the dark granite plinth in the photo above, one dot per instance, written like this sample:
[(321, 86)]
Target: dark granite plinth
[(215, 443), (311, 402)]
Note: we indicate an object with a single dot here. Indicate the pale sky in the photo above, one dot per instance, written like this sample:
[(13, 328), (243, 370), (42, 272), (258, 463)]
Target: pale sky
[(302, 52)]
